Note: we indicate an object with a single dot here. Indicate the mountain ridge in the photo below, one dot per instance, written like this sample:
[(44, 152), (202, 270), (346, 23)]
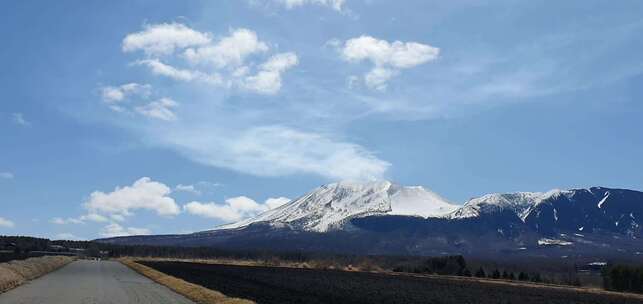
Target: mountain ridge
[(327, 206), (357, 219)]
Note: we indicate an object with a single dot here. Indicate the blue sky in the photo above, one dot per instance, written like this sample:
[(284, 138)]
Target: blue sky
[(139, 117)]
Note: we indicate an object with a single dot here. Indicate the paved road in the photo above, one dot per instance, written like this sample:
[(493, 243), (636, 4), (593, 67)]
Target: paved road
[(92, 282)]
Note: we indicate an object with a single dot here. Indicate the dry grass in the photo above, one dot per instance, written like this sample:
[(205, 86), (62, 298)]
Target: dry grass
[(14, 273), (191, 291), (275, 262)]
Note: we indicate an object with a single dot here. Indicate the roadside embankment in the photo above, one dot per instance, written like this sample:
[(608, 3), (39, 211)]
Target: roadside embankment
[(14, 273), (196, 293)]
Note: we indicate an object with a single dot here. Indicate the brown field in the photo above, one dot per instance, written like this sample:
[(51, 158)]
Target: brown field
[(264, 284)]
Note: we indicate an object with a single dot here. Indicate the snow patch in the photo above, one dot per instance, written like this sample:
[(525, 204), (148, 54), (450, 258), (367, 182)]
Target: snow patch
[(549, 242), (600, 204)]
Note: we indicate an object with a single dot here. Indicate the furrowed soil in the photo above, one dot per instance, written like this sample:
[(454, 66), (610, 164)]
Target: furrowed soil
[(296, 285)]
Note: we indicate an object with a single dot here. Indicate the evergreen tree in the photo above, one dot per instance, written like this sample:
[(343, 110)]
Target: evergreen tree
[(495, 274), (480, 273)]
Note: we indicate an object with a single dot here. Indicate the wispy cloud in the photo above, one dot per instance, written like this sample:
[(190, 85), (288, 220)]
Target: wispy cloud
[(68, 236), (62, 221), (114, 229), (337, 5), (6, 175), (277, 150), (187, 188), (19, 119), (233, 209), (253, 139), (6, 223), (160, 109)]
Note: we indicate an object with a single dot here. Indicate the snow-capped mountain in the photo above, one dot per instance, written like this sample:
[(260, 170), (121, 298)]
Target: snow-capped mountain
[(595, 209), (386, 218), (330, 206), (520, 203)]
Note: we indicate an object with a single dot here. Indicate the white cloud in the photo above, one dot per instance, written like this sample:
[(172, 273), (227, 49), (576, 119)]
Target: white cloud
[(68, 237), (6, 175), (231, 50), (159, 68), (187, 188), (378, 77), (234, 209), (143, 194), (93, 217), (277, 151), (19, 119), (62, 221), (159, 109), (397, 54), (268, 79), (114, 94), (273, 203), (226, 62), (6, 223), (334, 4), (163, 39), (114, 230), (388, 58), (117, 217), (249, 136)]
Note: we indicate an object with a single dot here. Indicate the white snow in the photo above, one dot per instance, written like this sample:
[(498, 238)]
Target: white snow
[(419, 201), (546, 241), (600, 204), (521, 203), (329, 206)]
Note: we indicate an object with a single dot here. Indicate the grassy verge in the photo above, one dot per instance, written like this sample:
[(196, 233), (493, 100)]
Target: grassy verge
[(196, 293), (15, 273)]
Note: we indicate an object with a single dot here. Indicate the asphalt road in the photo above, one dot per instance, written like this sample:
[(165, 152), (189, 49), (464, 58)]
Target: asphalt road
[(92, 282)]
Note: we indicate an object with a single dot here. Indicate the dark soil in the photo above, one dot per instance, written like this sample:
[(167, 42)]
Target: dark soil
[(294, 285)]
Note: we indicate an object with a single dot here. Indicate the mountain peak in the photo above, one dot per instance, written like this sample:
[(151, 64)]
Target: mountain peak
[(330, 206)]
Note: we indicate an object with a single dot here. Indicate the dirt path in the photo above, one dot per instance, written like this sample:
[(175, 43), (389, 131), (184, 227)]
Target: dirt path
[(89, 282)]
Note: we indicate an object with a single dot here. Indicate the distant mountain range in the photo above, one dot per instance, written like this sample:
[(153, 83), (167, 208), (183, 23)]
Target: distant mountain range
[(386, 218)]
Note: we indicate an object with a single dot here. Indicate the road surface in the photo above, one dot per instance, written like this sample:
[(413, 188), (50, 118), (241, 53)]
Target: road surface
[(92, 282)]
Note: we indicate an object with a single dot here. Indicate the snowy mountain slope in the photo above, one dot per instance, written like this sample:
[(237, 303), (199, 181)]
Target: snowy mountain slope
[(520, 203), (580, 222), (581, 210), (329, 206)]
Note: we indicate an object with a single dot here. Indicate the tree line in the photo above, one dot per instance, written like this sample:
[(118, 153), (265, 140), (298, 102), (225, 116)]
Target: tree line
[(623, 278)]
